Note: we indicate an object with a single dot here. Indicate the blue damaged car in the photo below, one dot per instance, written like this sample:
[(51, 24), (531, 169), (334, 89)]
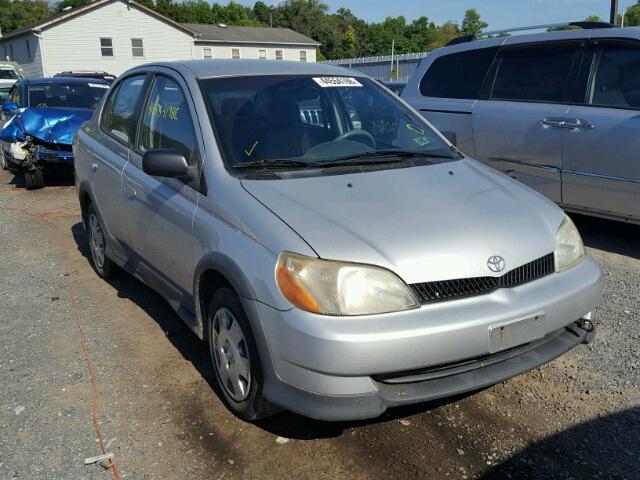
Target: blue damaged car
[(39, 119)]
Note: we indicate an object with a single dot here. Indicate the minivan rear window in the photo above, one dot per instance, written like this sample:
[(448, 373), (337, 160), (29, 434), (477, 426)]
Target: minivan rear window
[(458, 75), (535, 73)]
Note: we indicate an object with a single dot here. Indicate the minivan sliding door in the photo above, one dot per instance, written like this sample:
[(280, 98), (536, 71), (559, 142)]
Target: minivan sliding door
[(601, 168), (517, 123)]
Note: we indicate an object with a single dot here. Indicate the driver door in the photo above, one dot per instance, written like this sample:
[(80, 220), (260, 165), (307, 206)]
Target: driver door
[(160, 210)]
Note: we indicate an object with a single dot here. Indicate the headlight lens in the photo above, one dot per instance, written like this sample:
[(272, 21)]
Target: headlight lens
[(569, 247), (337, 288)]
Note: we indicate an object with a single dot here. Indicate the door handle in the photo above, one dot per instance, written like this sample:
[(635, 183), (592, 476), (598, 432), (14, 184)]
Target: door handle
[(572, 124), (546, 122), (579, 123)]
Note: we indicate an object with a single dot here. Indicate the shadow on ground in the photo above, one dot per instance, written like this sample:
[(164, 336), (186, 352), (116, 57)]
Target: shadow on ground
[(608, 235), (605, 447)]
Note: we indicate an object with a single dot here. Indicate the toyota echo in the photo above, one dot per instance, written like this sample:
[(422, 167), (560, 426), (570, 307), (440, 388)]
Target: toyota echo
[(338, 254)]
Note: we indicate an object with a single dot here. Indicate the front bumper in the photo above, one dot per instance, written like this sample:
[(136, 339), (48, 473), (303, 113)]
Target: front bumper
[(339, 368)]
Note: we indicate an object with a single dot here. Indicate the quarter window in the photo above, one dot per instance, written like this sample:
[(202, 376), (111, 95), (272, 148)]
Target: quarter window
[(166, 122), (106, 47), (119, 117), (615, 77), (137, 48), (235, 53), (459, 75), (536, 73)]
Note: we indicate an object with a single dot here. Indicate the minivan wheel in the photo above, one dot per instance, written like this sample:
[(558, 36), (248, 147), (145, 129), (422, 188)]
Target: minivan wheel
[(97, 245), (235, 357)]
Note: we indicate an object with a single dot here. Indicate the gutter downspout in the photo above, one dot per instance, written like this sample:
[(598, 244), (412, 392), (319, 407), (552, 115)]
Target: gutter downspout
[(42, 59)]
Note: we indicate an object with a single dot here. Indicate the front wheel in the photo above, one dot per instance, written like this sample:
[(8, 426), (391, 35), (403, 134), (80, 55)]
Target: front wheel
[(235, 357), (3, 161)]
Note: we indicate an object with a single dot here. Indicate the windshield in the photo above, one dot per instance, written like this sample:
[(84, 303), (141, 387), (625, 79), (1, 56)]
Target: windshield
[(312, 120), (8, 73), (75, 95)]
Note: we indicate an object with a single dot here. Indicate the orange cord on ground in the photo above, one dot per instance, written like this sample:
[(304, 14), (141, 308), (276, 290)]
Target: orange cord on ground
[(83, 342)]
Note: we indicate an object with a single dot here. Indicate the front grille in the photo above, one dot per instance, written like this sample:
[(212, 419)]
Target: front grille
[(431, 292)]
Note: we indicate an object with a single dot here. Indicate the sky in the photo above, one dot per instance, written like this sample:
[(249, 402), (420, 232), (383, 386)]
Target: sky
[(499, 14)]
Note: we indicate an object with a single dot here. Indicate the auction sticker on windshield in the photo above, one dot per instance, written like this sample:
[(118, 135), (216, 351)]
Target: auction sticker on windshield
[(337, 82)]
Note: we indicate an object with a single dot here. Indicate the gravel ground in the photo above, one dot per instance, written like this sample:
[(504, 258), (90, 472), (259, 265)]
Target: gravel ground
[(577, 417)]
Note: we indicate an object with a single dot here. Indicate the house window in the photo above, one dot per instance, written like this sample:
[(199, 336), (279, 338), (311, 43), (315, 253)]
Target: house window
[(206, 53), (137, 49), (303, 55), (278, 54), (106, 47), (11, 51), (28, 45), (235, 53), (262, 54)]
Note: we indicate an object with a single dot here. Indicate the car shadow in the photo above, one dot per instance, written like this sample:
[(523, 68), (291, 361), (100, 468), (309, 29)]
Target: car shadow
[(609, 235), (605, 447), (194, 350)]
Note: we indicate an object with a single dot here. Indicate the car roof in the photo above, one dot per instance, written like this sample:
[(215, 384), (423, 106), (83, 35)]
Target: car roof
[(66, 80), (240, 67)]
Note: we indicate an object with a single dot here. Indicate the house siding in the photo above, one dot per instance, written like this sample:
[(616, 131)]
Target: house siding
[(29, 59), (75, 44), (251, 51)]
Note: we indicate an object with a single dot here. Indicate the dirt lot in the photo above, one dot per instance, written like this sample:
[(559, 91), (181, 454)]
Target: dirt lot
[(577, 417)]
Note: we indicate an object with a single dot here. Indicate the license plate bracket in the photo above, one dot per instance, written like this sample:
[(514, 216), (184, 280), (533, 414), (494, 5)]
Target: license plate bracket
[(510, 334)]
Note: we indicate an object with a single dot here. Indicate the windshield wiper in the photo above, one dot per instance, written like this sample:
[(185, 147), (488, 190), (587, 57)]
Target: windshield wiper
[(277, 163), (384, 156)]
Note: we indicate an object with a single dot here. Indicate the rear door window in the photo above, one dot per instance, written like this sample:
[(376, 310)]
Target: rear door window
[(534, 73), (458, 75), (119, 117), (614, 77)]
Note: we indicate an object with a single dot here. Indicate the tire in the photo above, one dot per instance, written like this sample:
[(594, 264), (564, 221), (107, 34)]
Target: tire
[(102, 264), (3, 161), (34, 179), (235, 357)]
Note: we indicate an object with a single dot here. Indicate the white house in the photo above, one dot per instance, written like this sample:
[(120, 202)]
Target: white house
[(115, 35)]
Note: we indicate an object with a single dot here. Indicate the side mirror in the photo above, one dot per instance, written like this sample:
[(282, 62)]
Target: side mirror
[(165, 163), (451, 136), (8, 107)]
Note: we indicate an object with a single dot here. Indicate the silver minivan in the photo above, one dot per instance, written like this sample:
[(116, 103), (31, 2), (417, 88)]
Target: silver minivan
[(338, 254), (559, 111)]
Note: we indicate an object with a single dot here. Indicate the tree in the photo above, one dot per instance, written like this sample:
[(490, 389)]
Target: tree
[(593, 18), (22, 13), (472, 23), (632, 15)]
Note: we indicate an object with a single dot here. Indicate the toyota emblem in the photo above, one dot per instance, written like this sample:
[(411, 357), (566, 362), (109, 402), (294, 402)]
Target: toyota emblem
[(496, 263)]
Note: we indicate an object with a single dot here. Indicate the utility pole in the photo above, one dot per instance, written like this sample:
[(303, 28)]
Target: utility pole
[(614, 12)]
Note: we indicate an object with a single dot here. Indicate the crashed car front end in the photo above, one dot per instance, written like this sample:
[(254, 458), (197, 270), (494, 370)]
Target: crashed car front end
[(41, 136)]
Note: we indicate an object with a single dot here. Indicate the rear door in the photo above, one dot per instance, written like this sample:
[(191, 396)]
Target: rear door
[(601, 166), (517, 123), (160, 210), (109, 155)]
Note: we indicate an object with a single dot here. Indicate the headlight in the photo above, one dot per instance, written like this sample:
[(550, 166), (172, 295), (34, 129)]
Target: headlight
[(569, 247), (336, 288)]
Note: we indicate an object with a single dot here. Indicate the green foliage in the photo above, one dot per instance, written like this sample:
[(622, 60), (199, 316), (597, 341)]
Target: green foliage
[(593, 18), (18, 14), (632, 15), (472, 23)]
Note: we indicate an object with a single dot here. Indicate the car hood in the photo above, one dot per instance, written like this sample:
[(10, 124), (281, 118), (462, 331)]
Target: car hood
[(426, 223), (50, 125)]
